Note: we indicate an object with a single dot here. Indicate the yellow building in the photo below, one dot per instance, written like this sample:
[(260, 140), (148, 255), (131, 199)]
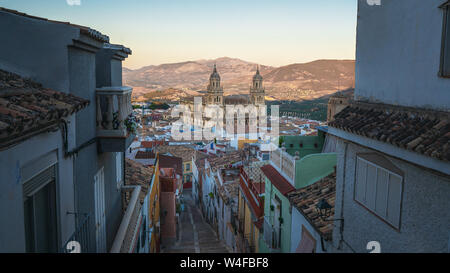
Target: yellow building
[(153, 209)]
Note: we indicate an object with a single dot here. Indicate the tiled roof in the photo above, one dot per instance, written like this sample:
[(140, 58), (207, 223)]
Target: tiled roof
[(166, 161), (145, 155), (306, 199), (423, 131), (277, 179), (138, 175), (94, 34), (186, 153), (26, 107), (151, 144), (225, 160)]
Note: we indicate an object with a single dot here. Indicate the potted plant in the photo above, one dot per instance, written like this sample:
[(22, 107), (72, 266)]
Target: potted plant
[(272, 207), (131, 124)]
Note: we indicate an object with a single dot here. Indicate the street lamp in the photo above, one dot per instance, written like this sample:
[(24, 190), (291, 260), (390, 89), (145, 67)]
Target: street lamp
[(323, 209)]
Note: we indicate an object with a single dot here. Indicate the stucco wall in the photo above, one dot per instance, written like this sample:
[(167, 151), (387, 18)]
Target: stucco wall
[(12, 232), (298, 221), (271, 192), (43, 51), (425, 214), (398, 54)]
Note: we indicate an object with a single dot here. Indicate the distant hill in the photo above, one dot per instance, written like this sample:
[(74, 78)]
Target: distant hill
[(291, 82)]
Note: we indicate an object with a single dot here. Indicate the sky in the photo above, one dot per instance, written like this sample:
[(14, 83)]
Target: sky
[(268, 32)]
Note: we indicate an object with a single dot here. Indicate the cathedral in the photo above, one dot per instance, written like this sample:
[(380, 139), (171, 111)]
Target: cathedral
[(214, 94)]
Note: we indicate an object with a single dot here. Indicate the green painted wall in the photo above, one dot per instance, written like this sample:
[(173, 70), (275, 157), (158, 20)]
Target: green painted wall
[(304, 145), (312, 168), (271, 191)]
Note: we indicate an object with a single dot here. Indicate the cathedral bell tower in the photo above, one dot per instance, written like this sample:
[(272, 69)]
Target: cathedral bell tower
[(215, 91), (257, 91)]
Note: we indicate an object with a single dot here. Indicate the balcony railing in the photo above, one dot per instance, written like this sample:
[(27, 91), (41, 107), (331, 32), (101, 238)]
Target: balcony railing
[(127, 234), (252, 194), (271, 235), (81, 237), (113, 108), (284, 163)]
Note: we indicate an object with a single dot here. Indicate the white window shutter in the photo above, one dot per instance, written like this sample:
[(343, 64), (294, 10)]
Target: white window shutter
[(360, 190), (371, 188), (382, 193), (394, 200)]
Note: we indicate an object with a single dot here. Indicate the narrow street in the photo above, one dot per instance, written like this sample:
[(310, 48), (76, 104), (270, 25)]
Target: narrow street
[(194, 234)]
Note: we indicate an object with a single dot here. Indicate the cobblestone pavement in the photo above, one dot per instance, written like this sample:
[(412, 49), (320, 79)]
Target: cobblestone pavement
[(194, 234)]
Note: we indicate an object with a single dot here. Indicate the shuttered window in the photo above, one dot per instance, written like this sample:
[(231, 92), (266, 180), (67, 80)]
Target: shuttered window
[(379, 190)]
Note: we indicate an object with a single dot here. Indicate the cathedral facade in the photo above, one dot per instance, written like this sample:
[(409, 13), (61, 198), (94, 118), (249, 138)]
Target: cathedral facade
[(214, 94)]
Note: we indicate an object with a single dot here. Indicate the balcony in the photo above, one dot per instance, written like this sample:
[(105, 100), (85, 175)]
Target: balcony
[(285, 164), (113, 110), (81, 236), (251, 193), (127, 235)]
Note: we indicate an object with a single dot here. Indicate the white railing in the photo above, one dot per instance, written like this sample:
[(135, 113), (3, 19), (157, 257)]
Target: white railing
[(113, 108), (284, 163), (126, 235)]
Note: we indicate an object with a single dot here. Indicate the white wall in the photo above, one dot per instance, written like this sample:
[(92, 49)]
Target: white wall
[(12, 232), (398, 54), (298, 221)]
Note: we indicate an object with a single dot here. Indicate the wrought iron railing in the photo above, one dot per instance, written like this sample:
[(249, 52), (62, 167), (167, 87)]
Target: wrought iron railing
[(81, 238)]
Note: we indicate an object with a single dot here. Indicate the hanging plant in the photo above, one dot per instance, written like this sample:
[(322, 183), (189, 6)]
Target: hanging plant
[(131, 124), (281, 220), (272, 207)]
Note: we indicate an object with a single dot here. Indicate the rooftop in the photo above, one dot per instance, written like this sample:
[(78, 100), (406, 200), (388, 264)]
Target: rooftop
[(92, 33), (184, 152), (26, 107), (225, 160), (306, 199), (425, 132), (176, 163), (277, 179), (137, 174)]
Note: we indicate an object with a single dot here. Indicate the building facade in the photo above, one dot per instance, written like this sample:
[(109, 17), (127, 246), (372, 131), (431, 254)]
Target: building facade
[(392, 142)]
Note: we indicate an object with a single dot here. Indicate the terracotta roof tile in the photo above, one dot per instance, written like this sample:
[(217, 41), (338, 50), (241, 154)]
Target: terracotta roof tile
[(306, 199), (139, 175), (186, 153), (144, 155), (26, 107), (277, 179), (176, 163), (422, 131)]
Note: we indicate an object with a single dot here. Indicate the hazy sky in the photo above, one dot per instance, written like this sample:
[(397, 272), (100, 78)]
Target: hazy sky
[(270, 32)]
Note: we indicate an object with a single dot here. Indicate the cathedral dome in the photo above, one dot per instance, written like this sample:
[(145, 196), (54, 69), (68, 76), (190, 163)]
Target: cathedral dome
[(257, 76), (215, 75)]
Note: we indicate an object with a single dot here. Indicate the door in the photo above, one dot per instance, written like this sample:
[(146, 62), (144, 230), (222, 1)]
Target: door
[(100, 221), (277, 223)]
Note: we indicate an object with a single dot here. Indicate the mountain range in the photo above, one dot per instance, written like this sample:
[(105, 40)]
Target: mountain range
[(297, 82)]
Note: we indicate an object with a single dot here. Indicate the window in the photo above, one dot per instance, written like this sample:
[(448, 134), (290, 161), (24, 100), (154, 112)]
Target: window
[(40, 213), (188, 167), (119, 170), (378, 187), (445, 53)]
